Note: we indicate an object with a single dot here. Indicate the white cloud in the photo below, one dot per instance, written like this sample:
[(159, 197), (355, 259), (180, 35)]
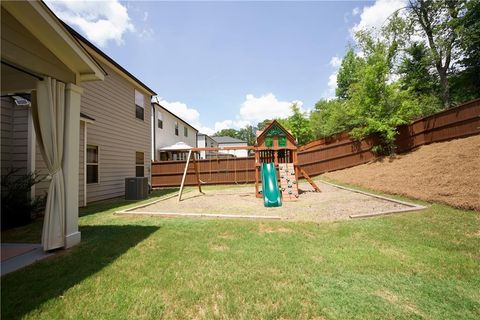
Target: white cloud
[(356, 11), (100, 21), (374, 16), (190, 115), (332, 85), (206, 130), (255, 109), (225, 124), (146, 33), (332, 82), (335, 62)]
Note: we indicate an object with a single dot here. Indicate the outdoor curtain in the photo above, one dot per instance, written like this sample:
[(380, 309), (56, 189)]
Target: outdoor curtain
[(48, 111)]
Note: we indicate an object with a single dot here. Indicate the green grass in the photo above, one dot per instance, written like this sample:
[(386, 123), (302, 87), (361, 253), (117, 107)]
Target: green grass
[(407, 266)]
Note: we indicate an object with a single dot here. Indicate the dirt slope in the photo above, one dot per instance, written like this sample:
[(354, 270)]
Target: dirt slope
[(447, 172)]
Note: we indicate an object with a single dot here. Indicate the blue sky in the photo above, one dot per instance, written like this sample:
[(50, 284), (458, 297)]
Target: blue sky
[(226, 64)]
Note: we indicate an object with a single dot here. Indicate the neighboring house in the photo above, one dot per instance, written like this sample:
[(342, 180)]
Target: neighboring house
[(170, 130), (205, 141), (225, 142)]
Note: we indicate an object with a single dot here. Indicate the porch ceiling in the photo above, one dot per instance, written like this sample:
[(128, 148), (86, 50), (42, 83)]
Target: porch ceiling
[(44, 27)]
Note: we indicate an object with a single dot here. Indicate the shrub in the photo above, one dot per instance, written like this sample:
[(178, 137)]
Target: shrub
[(17, 206)]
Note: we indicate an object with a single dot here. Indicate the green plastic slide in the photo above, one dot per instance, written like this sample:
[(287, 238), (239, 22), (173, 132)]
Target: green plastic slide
[(270, 190)]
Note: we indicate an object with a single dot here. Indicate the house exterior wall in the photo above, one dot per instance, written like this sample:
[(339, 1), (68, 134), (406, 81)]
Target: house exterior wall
[(166, 136), (17, 137), (236, 153), (14, 122), (116, 131), (204, 141)]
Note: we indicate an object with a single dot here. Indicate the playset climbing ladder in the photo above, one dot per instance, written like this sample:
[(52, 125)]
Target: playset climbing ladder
[(288, 181)]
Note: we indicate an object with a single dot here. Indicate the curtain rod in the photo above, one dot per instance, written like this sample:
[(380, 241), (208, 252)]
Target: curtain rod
[(22, 70)]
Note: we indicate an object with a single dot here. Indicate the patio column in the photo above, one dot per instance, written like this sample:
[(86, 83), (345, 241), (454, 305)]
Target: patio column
[(71, 163)]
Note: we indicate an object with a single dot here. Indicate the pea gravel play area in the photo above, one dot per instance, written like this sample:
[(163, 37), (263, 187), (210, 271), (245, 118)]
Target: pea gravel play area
[(332, 203)]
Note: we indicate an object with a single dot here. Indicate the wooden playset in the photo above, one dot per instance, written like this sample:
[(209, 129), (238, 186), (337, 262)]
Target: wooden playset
[(275, 161), (276, 144)]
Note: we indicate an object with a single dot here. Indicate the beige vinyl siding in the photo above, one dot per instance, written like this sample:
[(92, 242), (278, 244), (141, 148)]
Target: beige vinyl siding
[(116, 131), (40, 166), (14, 121), (7, 133)]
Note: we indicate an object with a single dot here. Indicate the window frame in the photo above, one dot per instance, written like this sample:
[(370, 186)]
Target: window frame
[(160, 124), (185, 131), (97, 164), (137, 165), (176, 128), (138, 106)]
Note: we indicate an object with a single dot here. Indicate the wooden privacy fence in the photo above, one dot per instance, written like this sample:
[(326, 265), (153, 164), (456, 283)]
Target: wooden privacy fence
[(329, 154), (212, 171)]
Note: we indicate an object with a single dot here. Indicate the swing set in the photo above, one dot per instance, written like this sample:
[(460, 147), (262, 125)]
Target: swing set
[(276, 166)]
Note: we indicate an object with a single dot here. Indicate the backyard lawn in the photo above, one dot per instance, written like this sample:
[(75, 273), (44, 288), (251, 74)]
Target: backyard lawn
[(407, 266)]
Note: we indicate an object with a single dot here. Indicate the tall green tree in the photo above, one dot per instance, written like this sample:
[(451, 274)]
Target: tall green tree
[(377, 104), (329, 117), (417, 79), (439, 21), (348, 74), (299, 124), (263, 124), (466, 80), (415, 71), (248, 134), (227, 133)]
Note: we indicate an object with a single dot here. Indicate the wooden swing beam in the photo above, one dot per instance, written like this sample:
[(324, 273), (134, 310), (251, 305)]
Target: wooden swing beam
[(197, 175)]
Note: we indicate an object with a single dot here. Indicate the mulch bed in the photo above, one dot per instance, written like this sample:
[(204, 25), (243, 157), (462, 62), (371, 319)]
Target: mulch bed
[(446, 172)]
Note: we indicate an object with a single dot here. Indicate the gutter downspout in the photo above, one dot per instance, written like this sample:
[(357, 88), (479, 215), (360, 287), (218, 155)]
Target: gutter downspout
[(154, 148)]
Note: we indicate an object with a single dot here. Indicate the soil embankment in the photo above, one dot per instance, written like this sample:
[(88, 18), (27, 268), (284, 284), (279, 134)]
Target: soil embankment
[(446, 172)]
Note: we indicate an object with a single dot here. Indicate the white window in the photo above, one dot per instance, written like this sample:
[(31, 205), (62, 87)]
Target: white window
[(139, 105), (139, 164), (92, 164), (160, 121)]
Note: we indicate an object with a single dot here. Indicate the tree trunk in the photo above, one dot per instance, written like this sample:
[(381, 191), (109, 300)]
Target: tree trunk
[(444, 86)]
